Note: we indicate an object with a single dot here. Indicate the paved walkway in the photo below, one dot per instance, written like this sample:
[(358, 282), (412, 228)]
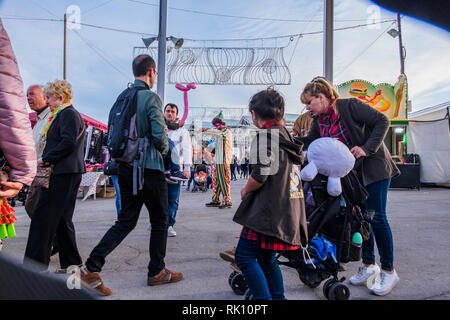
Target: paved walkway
[(420, 221)]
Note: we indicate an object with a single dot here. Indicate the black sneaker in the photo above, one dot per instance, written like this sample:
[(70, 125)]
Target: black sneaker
[(212, 204), (178, 176), (169, 178)]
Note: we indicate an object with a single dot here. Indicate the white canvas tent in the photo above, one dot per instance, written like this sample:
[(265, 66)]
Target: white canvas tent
[(429, 136)]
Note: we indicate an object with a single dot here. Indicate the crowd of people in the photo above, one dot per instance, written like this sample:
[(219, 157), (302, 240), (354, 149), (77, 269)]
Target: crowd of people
[(50, 160)]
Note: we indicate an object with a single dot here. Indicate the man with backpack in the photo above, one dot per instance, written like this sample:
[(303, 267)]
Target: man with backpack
[(147, 167)]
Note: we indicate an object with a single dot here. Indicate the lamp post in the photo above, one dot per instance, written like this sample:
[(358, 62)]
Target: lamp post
[(162, 48), (65, 47), (328, 41), (394, 33)]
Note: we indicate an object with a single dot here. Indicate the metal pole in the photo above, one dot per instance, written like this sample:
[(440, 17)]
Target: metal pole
[(65, 45), (162, 47), (328, 41), (400, 45)]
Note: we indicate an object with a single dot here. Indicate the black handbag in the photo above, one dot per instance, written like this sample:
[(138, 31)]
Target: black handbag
[(111, 168)]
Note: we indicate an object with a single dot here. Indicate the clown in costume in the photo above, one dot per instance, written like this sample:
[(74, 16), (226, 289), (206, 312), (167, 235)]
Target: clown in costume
[(221, 174)]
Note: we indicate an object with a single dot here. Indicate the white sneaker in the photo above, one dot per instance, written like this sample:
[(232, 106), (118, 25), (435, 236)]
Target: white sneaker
[(171, 232), (365, 275), (384, 283)]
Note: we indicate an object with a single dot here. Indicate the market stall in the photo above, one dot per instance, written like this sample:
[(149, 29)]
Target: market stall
[(96, 136), (429, 136), (392, 100), (94, 155)]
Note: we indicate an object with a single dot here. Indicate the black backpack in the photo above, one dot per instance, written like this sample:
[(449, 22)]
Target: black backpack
[(122, 135), (124, 145)]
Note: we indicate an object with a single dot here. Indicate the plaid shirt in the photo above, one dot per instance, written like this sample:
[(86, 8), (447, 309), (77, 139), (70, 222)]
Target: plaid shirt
[(267, 242), (330, 125)]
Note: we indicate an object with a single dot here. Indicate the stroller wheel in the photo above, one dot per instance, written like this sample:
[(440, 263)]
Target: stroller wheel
[(231, 277), (238, 284), (248, 295), (308, 282), (338, 291), (326, 286)]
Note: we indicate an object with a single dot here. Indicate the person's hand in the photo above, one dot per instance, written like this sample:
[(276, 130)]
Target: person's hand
[(40, 162), (10, 189), (358, 152), (243, 193), (187, 173)]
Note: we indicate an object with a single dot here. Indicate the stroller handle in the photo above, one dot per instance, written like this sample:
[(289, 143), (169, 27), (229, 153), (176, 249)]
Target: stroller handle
[(358, 163)]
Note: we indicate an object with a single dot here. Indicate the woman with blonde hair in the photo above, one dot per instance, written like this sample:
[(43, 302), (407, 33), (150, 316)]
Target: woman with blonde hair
[(363, 129), (64, 144)]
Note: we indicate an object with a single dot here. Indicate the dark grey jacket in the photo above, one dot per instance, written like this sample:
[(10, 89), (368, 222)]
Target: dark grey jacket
[(367, 128), (62, 148), (277, 209)]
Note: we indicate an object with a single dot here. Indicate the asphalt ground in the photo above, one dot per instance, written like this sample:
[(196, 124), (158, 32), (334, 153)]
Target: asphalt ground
[(419, 219)]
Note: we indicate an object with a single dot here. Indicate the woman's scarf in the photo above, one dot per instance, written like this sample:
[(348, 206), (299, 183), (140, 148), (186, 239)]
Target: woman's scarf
[(50, 120)]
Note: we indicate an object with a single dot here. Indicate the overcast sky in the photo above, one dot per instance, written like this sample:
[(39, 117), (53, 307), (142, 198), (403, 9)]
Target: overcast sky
[(99, 60)]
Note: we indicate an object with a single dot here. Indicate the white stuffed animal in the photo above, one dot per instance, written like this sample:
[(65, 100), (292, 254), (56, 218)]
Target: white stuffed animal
[(330, 157)]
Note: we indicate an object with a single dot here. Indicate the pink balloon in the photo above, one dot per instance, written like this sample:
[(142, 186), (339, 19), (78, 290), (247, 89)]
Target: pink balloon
[(185, 90)]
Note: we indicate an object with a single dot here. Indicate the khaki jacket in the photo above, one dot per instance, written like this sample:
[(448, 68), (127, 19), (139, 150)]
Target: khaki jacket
[(277, 209)]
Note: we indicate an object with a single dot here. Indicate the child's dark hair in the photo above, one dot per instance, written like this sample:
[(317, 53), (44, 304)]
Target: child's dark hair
[(267, 105)]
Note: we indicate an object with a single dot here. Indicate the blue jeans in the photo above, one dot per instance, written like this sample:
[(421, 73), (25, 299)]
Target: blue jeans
[(380, 231), (191, 178), (173, 197), (171, 160), (260, 270), (115, 181)]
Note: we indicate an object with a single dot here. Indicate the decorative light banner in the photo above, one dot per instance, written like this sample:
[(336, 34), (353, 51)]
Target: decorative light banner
[(224, 66), (387, 98)]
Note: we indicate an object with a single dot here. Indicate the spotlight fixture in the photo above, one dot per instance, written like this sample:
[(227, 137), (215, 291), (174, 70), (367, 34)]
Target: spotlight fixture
[(149, 41), (393, 33), (177, 42)]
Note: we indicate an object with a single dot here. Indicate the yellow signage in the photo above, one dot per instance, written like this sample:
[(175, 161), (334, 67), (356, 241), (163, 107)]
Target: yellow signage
[(386, 98)]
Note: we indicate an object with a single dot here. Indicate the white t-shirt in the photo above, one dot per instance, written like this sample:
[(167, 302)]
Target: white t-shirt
[(183, 147)]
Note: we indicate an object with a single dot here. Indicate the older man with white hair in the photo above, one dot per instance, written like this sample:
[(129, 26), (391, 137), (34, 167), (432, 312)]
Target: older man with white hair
[(37, 102)]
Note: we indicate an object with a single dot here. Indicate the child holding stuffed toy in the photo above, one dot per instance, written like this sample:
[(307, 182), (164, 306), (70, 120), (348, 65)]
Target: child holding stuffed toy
[(272, 211)]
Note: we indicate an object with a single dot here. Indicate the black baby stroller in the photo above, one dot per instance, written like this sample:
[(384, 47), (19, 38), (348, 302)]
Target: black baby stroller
[(200, 178), (332, 222)]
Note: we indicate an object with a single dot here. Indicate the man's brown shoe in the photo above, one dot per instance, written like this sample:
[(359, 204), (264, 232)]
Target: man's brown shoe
[(93, 281), (165, 276)]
